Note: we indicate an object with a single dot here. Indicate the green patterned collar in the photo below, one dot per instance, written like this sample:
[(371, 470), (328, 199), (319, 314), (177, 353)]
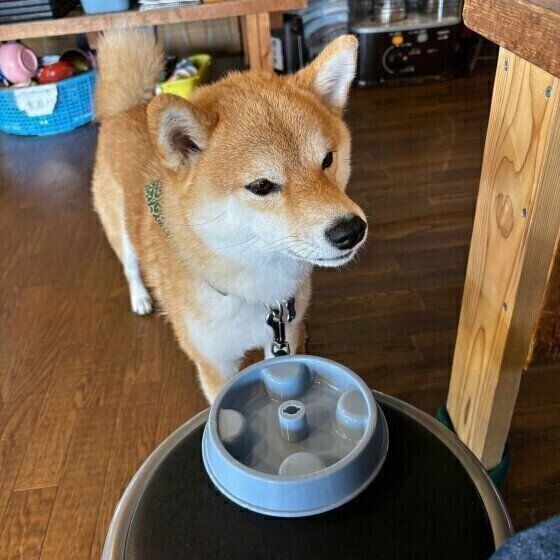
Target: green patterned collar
[(152, 192)]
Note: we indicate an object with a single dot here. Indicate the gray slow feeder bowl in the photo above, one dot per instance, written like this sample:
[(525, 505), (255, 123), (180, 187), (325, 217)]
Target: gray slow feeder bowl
[(294, 436)]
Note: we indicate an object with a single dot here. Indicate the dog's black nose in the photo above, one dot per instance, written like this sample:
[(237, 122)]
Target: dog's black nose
[(347, 232)]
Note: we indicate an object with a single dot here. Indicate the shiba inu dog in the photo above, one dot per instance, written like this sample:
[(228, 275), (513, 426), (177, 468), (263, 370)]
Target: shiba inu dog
[(223, 204)]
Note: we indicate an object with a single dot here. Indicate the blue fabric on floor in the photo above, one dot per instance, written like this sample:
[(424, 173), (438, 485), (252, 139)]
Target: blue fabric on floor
[(541, 542)]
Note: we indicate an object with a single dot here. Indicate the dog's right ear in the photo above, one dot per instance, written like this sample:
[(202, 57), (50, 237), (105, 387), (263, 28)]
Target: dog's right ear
[(331, 73), (179, 129)]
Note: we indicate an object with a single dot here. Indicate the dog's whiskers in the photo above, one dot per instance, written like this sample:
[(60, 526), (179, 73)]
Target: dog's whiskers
[(276, 246), (288, 248), (295, 251), (250, 245), (212, 220), (282, 241), (304, 259), (235, 244), (208, 221)]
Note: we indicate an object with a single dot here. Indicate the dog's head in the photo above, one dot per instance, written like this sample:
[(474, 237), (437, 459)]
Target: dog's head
[(260, 162)]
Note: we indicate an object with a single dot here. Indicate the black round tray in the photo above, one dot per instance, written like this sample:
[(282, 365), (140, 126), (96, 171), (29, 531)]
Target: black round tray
[(431, 500)]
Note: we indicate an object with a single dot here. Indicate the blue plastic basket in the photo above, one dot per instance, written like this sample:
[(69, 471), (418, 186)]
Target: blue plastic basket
[(73, 107)]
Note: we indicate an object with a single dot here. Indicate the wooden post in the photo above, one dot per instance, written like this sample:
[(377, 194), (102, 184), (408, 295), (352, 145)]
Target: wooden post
[(243, 27), (515, 230), (257, 41)]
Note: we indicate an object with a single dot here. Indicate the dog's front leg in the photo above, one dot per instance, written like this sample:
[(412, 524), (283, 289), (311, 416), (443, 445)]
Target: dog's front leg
[(214, 376)]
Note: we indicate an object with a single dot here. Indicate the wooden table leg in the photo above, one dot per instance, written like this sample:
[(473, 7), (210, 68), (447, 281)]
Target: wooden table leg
[(514, 236), (243, 25), (256, 41)]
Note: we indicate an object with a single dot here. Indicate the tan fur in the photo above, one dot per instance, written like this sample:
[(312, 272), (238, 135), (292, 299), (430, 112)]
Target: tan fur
[(132, 63), (247, 125)]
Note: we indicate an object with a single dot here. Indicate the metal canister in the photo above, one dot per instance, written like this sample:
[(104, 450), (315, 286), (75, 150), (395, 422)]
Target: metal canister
[(388, 11)]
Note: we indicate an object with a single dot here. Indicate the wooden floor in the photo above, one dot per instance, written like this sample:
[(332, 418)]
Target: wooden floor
[(87, 389)]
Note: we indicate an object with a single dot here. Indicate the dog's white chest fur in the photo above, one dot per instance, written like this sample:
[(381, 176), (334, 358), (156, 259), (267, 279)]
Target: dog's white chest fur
[(233, 325)]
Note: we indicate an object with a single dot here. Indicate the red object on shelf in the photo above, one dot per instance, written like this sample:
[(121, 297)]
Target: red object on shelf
[(55, 72)]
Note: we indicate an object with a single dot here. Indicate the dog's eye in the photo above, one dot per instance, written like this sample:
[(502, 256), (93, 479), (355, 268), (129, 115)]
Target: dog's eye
[(262, 187), (327, 162)]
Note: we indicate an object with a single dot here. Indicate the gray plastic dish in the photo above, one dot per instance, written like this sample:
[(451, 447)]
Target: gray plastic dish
[(294, 436)]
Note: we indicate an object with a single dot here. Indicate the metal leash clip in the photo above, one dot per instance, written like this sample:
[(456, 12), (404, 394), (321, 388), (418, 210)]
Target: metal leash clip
[(275, 320)]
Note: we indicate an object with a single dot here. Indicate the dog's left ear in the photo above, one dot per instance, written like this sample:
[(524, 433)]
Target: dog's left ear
[(179, 129), (332, 72)]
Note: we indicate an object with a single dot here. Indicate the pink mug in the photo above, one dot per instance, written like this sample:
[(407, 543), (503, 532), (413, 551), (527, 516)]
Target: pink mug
[(17, 62)]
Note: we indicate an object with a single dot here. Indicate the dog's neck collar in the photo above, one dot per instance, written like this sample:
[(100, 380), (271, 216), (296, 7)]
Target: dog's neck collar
[(152, 193)]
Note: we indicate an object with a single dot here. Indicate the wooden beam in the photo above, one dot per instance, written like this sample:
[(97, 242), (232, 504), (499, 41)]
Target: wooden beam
[(530, 29), (545, 342), (515, 229), (257, 40), (78, 22)]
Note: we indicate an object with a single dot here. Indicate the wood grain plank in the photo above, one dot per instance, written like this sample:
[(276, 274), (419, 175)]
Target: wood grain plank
[(534, 504), (537, 464), (529, 29), (516, 223), (20, 412), (11, 457), (257, 38), (146, 361), (536, 424), (75, 377), (176, 407), (46, 454), (73, 374), (133, 439), (265, 44), (251, 34), (32, 370), (25, 523), (545, 339), (84, 474), (80, 23), (18, 316)]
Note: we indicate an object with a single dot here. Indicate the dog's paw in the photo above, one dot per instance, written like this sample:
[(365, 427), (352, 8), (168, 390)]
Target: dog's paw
[(142, 305), (140, 300)]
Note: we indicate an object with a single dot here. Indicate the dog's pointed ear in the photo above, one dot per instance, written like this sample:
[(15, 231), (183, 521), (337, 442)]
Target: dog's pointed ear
[(332, 72), (179, 129)]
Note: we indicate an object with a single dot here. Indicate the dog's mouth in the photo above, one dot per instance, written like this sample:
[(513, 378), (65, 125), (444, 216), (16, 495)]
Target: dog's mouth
[(343, 257), (327, 261)]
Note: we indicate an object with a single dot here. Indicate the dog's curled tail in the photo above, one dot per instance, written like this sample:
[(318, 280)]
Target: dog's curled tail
[(130, 63)]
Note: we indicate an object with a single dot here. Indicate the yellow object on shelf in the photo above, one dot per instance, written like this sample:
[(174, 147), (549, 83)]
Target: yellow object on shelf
[(183, 87)]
